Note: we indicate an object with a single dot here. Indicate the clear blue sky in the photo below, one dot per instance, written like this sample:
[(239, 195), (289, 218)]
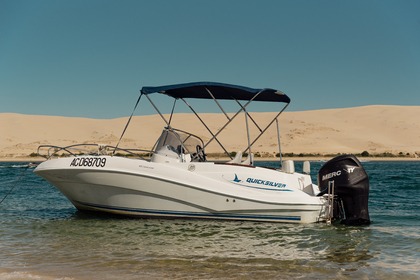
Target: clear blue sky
[(89, 58)]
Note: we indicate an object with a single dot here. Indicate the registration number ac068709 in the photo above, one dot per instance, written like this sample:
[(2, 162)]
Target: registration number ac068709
[(89, 161)]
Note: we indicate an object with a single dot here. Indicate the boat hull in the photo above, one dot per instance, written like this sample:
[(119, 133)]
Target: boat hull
[(199, 190)]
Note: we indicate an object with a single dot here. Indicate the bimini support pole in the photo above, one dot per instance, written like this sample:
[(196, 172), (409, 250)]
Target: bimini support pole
[(172, 112), (278, 142), (262, 132), (249, 115), (231, 119), (128, 122), (218, 104), (208, 129), (157, 110), (247, 134)]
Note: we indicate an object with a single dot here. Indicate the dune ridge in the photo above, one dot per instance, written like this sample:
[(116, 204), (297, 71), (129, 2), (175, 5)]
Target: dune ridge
[(375, 129)]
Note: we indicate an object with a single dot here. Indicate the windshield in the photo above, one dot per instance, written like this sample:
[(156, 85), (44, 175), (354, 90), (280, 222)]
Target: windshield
[(180, 141)]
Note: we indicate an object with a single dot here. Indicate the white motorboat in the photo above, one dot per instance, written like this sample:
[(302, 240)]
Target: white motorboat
[(174, 179)]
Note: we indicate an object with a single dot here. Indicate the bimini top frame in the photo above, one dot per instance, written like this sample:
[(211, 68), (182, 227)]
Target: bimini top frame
[(219, 91)]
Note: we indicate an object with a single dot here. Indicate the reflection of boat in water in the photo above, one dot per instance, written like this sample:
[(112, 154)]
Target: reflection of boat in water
[(177, 180)]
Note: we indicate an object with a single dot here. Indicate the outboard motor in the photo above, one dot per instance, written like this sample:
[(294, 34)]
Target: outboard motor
[(351, 189)]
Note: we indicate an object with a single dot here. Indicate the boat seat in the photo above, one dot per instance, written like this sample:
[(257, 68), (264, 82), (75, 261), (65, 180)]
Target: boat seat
[(237, 159), (249, 160)]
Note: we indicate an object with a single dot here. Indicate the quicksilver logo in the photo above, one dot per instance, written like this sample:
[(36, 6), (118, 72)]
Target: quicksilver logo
[(237, 179), (259, 182), (266, 183)]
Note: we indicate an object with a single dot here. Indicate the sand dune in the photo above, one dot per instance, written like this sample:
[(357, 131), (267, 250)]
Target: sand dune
[(375, 129)]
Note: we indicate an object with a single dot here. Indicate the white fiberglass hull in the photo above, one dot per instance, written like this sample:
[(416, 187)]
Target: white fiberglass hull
[(191, 190)]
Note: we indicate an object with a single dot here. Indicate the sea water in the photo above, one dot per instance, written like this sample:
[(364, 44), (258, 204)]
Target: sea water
[(42, 236)]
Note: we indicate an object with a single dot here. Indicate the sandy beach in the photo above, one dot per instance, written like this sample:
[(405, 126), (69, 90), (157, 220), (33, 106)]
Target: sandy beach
[(375, 129)]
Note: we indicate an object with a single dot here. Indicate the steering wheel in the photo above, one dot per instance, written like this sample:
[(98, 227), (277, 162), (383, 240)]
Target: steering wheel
[(199, 155)]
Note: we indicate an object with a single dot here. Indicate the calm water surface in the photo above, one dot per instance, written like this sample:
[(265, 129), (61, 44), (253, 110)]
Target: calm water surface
[(42, 236)]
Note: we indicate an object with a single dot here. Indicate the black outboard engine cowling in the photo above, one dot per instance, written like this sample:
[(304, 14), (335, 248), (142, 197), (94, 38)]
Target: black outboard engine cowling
[(351, 189)]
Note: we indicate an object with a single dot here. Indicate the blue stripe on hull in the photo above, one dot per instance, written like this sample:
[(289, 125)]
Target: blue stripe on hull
[(149, 212)]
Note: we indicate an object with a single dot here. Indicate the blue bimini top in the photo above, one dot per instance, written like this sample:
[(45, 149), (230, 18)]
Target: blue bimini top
[(210, 90)]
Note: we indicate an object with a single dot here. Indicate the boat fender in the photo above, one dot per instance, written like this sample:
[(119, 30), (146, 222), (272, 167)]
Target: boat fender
[(288, 166), (306, 167)]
